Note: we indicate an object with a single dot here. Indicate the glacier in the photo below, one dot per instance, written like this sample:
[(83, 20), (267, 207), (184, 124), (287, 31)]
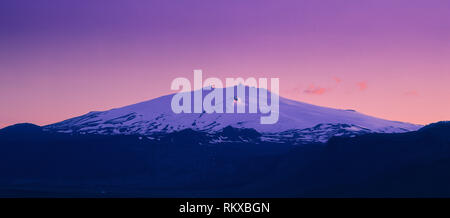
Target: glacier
[(298, 121)]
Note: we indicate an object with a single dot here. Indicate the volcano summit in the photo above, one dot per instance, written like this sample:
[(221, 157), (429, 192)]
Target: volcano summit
[(298, 121)]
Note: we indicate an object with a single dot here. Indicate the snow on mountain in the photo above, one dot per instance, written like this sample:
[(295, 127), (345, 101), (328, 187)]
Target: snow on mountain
[(297, 120)]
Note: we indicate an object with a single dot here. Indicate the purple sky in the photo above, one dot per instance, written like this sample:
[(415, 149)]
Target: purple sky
[(387, 58)]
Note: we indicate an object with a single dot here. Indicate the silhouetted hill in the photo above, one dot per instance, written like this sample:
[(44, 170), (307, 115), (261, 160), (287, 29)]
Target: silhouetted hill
[(24, 129), (407, 164), (186, 164)]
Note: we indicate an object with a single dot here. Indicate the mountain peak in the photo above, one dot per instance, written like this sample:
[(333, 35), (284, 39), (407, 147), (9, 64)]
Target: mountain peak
[(156, 116)]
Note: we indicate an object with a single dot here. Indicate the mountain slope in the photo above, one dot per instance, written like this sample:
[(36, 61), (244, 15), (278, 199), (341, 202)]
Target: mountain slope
[(156, 116)]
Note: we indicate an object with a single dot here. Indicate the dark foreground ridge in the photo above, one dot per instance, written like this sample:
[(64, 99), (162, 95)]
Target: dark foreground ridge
[(37, 163)]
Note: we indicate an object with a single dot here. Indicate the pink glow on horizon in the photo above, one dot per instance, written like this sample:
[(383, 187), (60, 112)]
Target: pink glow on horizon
[(386, 59)]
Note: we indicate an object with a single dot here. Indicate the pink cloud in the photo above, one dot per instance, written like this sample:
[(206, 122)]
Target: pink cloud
[(362, 85), (337, 79), (315, 90), (411, 93)]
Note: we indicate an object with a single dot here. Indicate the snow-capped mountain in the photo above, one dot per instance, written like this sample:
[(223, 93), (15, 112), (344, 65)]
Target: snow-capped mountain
[(299, 122)]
